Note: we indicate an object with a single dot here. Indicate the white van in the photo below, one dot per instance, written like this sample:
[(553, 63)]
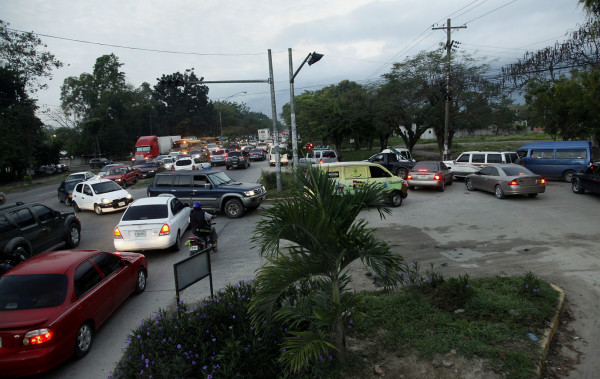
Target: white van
[(283, 157)]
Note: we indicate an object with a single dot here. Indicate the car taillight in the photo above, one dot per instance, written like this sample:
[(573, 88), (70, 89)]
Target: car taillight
[(38, 336), (409, 176), (173, 167), (436, 177), (193, 167), (542, 181), (422, 170), (165, 230), (320, 161), (117, 234), (513, 183)]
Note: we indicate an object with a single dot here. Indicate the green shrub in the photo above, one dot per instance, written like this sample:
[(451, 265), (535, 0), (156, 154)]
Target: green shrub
[(27, 179), (213, 338)]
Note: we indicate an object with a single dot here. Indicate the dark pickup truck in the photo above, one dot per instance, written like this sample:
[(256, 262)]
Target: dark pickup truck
[(390, 161)]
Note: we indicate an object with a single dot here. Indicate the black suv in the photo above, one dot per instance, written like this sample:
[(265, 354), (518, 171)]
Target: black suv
[(29, 228), (215, 189), (237, 159)]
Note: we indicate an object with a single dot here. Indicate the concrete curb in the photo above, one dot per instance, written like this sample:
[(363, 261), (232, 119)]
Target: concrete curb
[(549, 332)]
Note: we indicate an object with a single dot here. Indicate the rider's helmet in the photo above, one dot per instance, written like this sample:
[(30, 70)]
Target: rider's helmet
[(197, 205)]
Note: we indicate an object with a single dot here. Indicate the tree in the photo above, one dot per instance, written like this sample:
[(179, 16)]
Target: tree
[(326, 236), (184, 110), (21, 130), (22, 53)]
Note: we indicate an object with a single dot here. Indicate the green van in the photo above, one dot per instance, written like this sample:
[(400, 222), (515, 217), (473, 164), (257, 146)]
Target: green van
[(351, 175)]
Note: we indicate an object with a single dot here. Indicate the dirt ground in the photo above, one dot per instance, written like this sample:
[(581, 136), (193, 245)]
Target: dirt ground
[(561, 357)]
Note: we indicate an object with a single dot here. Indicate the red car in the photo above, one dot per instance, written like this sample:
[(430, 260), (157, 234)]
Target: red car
[(51, 305), (123, 175)]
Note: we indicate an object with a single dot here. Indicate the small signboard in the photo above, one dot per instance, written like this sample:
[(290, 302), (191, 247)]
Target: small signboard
[(191, 270)]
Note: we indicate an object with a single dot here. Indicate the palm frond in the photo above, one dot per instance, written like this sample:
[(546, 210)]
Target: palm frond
[(300, 348)]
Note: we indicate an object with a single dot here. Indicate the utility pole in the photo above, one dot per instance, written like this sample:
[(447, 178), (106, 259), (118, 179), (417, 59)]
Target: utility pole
[(275, 133), (448, 96)]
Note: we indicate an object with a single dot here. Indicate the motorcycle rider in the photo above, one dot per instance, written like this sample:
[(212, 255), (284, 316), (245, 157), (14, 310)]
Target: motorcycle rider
[(201, 224)]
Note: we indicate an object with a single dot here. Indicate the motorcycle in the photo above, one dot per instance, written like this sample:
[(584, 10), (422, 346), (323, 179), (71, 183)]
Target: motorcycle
[(201, 242)]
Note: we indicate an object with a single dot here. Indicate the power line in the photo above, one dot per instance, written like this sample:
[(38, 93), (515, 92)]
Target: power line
[(136, 48), (492, 11)]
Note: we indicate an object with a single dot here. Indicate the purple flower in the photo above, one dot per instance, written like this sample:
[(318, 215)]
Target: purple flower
[(230, 327), (204, 367), (178, 346)]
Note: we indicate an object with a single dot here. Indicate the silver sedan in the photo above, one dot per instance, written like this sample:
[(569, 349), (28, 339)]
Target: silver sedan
[(506, 179)]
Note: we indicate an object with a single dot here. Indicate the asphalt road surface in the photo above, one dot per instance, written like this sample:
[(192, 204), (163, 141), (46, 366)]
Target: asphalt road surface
[(554, 236)]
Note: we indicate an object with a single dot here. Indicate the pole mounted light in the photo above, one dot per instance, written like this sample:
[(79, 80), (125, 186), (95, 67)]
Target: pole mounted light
[(311, 58)]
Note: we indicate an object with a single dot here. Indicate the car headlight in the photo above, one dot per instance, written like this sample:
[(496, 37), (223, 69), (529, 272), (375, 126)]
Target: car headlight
[(105, 201), (249, 193), (129, 196)]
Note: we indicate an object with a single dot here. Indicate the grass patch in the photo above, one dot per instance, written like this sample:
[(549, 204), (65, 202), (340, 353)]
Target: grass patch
[(215, 338), (269, 180)]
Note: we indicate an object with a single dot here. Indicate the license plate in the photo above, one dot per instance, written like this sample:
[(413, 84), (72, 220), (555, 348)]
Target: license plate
[(139, 233), (194, 248), (121, 203)]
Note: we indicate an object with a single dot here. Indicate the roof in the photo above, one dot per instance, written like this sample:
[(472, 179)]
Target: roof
[(352, 163), (52, 262), (555, 144), (161, 199), (96, 181)]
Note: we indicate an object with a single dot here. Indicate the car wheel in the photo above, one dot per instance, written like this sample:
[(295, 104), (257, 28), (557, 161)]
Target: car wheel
[(76, 207), (227, 167), (469, 184), (97, 209), (396, 199), (499, 192), (59, 199), (532, 194), (402, 172), (177, 245), (442, 186), (21, 252), (140, 283), (568, 176), (83, 340), (68, 201), (124, 183), (234, 208), (73, 236), (451, 180), (576, 186)]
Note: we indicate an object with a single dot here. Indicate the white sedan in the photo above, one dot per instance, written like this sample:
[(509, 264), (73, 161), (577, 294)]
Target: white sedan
[(152, 223)]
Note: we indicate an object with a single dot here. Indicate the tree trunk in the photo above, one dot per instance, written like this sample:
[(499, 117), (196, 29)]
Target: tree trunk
[(340, 340)]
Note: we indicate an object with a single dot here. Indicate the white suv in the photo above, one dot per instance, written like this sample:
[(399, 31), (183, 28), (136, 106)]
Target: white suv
[(470, 162), (190, 164), (100, 195)]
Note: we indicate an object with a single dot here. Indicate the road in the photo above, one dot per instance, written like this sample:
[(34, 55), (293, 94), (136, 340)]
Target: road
[(554, 236), (233, 262)]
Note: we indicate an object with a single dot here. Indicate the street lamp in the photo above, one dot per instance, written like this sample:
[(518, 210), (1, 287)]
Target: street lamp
[(311, 58), (229, 97)]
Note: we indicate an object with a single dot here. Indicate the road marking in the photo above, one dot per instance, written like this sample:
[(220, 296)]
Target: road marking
[(47, 193)]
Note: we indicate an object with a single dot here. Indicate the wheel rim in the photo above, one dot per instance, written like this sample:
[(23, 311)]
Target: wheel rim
[(84, 338), (396, 199), (576, 186), (233, 209), (469, 185), (98, 209), (402, 173), (141, 280), (499, 193), (568, 176), (74, 236), (68, 201)]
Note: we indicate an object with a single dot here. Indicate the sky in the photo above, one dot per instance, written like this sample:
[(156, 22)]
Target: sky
[(229, 39)]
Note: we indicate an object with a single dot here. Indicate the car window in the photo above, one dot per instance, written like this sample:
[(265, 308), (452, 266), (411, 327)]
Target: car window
[(79, 188), (108, 263), (183, 162), (87, 190), (105, 187), (494, 158), (511, 158), (23, 217), (86, 278), (184, 181), (200, 180), (177, 205), (220, 178), (571, 153), (329, 154), (378, 172), (43, 213), (145, 212), (516, 171), (164, 181), (487, 171), (542, 153), (32, 291), (464, 158), (5, 224), (478, 158)]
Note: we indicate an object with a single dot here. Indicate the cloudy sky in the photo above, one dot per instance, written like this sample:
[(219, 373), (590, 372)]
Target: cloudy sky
[(229, 40)]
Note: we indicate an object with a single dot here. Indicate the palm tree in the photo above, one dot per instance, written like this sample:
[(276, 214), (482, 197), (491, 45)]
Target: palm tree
[(326, 236)]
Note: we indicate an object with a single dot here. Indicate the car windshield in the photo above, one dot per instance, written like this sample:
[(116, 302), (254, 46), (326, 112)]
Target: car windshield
[(183, 162), (516, 171), (105, 187), (146, 212), (235, 154), (167, 160), (116, 171), (220, 178), (150, 164), (18, 292), (256, 151), (218, 152)]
